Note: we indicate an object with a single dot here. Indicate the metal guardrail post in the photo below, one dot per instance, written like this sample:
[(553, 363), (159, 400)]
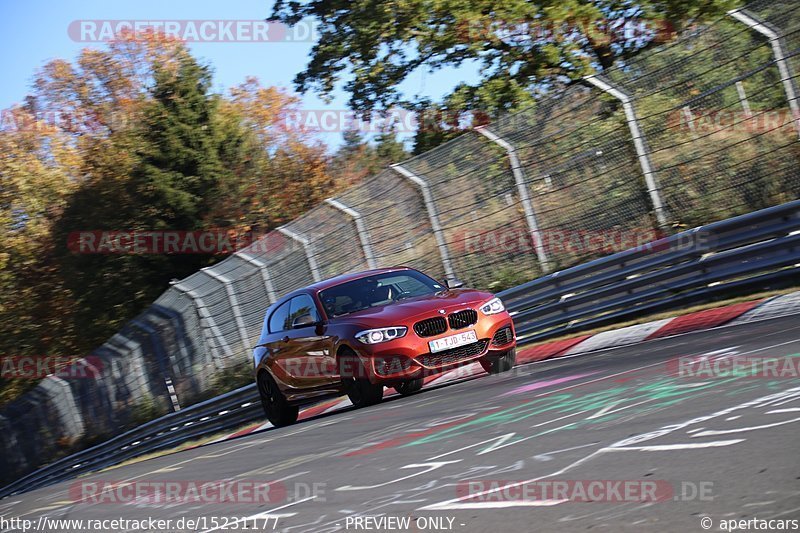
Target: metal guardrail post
[(262, 267), (312, 261), (743, 98), (205, 315), (641, 149), (433, 215), (780, 58), (162, 359), (63, 401), (138, 374), (234, 302), (361, 228), (524, 197)]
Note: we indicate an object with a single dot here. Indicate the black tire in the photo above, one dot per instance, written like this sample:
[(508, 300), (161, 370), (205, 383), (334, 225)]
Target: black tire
[(503, 363), (355, 384), (278, 410), (409, 387)]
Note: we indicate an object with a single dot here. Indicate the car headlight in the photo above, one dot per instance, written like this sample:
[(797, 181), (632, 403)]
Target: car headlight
[(493, 306), (376, 336)]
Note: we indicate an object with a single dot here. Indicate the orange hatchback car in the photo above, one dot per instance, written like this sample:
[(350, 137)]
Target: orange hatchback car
[(361, 332)]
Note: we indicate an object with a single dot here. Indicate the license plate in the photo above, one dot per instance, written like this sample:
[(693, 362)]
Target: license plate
[(453, 341)]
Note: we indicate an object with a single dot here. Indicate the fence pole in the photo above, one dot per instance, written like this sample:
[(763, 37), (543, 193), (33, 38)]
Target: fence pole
[(234, 303), (161, 358), (361, 228), (433, 215), (312, 261), (638, 142), (524, 197), (743, 99), (118, 341), (60, 395), (205, 315), (778, 53), (262, 267)]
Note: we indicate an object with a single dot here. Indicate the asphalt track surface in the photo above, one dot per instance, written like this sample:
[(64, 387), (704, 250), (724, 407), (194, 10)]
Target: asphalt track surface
[(722, 447)]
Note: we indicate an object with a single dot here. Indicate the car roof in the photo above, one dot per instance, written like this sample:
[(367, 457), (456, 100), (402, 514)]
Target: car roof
[(343, 278), (331, 282)]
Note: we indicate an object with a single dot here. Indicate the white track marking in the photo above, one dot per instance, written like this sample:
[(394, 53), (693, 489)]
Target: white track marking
[(710, 433), (432, 466), (546, 455), (686, 446), (540, 424), (616, 447), (497, 441), (608, 411), (604, 410), (666, 430), (498, 505)]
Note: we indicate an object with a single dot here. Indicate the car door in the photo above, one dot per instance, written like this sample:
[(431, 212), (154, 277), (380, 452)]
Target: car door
[(310, 362), (278, 345)]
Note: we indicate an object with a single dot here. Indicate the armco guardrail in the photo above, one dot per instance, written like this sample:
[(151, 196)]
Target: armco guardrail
[(752, 250), (749, 250), (217, 414)]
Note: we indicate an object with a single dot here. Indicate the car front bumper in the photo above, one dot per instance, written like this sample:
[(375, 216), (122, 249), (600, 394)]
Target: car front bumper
[(410, 357)]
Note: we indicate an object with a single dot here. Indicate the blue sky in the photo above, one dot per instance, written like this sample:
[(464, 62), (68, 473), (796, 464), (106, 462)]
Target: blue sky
[(35, 31)]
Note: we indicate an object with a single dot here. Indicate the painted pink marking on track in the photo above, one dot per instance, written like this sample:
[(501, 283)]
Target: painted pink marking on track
[(547, 383)]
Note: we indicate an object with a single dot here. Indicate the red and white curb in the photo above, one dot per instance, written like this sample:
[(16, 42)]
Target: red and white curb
[(732, 314), (788, 304)]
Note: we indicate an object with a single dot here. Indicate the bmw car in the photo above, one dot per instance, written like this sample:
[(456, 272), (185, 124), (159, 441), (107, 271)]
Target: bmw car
[(359, 333)]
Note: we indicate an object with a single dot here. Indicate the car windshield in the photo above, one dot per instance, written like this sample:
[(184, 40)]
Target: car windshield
[(377, 290)]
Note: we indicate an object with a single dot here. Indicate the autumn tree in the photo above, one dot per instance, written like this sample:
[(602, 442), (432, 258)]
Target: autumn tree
[(522, 47), (37, 175), (288, 168), (37, 170), (358, 158), (136, 140)]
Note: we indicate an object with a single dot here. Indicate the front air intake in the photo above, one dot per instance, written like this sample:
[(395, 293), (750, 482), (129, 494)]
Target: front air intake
[(463, 319), (431, 326)]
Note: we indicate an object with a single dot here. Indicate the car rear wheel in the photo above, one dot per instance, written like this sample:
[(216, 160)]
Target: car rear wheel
[(279, 411), (503, 363), (409, 387), (355, 384)]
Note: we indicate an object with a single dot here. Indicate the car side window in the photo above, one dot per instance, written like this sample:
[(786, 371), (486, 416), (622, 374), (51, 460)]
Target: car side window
[(279, 319), (302, 305)]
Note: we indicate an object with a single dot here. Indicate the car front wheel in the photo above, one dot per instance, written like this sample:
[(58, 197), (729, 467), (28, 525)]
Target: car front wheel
[(355, 384), (503, 363), (279, 411)]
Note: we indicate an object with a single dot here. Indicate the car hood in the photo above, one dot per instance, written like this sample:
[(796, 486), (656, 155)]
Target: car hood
[(404, 310)]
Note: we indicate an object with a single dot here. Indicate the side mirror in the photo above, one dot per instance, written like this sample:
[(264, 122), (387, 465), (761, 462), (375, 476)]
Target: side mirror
[(303, 321), (454, 283)]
